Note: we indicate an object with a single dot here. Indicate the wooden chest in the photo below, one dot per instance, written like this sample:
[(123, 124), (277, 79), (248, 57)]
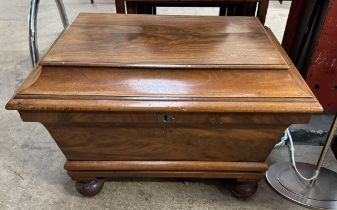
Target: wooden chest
[(165, 96)]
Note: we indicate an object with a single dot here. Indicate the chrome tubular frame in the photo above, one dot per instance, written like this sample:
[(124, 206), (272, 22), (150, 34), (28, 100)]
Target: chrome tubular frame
[(62, 12), (33, 48), (32, 24)]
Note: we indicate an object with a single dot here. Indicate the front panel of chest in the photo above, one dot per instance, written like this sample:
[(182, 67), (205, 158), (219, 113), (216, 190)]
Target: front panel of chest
[(164, 136)]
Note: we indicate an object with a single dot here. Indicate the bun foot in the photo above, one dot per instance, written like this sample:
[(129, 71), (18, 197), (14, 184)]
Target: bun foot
[(243, 189), (89, 188)]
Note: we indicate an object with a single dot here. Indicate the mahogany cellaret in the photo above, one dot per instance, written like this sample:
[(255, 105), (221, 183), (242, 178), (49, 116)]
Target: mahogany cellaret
[(165, 96)]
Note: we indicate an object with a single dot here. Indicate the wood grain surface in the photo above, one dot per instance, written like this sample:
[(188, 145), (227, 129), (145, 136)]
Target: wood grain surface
[(141, 119), (243, 175), (104, 142), (105, 89), (206, 85), (163, 166), (105, 136), (166, 41), (126, 95), (99, 88)]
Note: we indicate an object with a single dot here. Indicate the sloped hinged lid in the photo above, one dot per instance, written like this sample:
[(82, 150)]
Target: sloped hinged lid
[(109, 62), (166, 41)]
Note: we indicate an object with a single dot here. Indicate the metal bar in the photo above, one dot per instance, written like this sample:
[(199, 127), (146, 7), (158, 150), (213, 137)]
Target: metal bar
[(326, 147), (32, 24), (125, 7), (62, 11)]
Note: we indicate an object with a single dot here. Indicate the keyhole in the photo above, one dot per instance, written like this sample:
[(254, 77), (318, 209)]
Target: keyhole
[(165, 118)]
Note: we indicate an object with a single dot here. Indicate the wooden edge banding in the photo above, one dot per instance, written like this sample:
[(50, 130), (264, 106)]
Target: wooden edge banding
[(31, 79), (90, 175), (293, 71), (276, 45), (165, 106), (163, 166), (34, 75), (170, 66), (148, 118)]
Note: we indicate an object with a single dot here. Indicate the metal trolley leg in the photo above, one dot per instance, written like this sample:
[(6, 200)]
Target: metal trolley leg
[(62, 12), (33, 48), (32, 24)]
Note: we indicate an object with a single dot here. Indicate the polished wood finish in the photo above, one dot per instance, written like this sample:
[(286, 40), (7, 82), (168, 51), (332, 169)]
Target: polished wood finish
[(187, 129), (90, 174), (158, 143), (163, 165), (164, 91), (155, 96), (199, 119), (227, 7), (190, 42)]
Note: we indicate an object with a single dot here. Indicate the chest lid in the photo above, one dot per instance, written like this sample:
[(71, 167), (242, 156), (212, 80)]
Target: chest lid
[(152, 41), (106, 62)]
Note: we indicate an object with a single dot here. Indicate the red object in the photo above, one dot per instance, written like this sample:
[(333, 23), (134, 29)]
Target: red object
[(322, 69), (295, 14)]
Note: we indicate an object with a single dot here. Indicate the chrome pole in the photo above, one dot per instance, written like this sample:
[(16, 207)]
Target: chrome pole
[(62, 12), (32, 24), (125, 8), (326, 147)]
